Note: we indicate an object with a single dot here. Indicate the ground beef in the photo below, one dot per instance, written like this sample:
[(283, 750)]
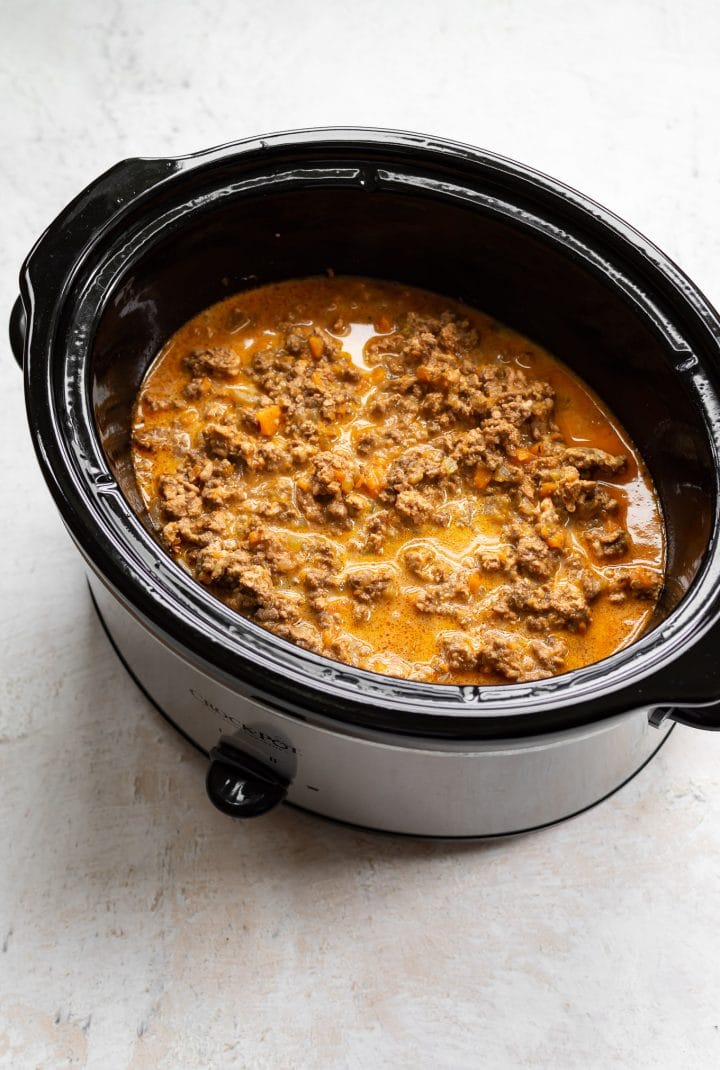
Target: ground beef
[(611, 543), (533, 557), (637, 580), (503, 653), (348, 649), (160, 403), (272, 550), (375, 438), (218, 492), (558, 605), (433, 366), (421, 464), (309, 378), (447, 598), (331, 475), (280, 510), (253, 593), (179, 497), (221, 361), (368, 585), (329, 495), (321, 576), (161, 438), (376, 531), (185, 534), (550, 654), (491, 444), (414, 507), (565, 487), (225, 442), (318, 584), (586, 459), (590, 582), (469, 448), (272, 456), (427, 565), (502, 559), (313, 488), (227, 565)]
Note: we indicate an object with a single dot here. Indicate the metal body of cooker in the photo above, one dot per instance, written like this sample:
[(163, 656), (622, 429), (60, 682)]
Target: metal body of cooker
[(383, 780)]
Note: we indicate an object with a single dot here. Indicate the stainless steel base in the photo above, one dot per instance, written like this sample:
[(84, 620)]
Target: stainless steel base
[(393, 783)]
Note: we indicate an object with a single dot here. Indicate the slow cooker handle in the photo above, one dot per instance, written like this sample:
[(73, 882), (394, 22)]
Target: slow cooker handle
[(240, 785), (706, 717), (98, 209), (18, 331), (689, 688)]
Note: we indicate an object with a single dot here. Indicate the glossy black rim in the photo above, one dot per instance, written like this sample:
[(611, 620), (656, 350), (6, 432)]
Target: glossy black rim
[(64, 284)]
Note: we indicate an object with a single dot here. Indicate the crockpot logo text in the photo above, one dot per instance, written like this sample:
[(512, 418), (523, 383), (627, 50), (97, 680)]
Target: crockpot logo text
[(260, 734)]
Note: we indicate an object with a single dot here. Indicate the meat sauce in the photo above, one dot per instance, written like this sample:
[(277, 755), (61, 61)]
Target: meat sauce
[(398, 482)]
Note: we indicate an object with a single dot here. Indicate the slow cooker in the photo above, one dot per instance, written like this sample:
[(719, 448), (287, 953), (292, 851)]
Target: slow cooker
[(152, 242)]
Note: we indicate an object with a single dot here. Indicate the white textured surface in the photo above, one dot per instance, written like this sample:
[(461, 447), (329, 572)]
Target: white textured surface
[(138, 927)]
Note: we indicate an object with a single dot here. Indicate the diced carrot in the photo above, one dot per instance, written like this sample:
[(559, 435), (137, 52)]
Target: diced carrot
[(383, 325), (303, 484), (254, 537), (546, 489), (522, 456), (372, 480), (343, 479), (474, 583), (269, 419), (377, 375), (482, 477), (557, 540), (316, 345), (423, 373)]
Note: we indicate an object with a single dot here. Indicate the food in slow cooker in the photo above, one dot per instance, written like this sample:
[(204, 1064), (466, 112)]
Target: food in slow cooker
[(396, 481)]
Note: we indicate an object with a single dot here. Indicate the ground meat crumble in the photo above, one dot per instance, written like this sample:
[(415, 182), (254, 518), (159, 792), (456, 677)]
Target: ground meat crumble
[(306, 468)]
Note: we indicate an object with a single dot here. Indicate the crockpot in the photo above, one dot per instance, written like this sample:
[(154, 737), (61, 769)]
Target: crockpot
[(152, 242)]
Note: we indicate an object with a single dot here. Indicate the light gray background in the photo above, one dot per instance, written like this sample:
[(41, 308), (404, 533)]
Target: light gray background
[(138, 927)]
